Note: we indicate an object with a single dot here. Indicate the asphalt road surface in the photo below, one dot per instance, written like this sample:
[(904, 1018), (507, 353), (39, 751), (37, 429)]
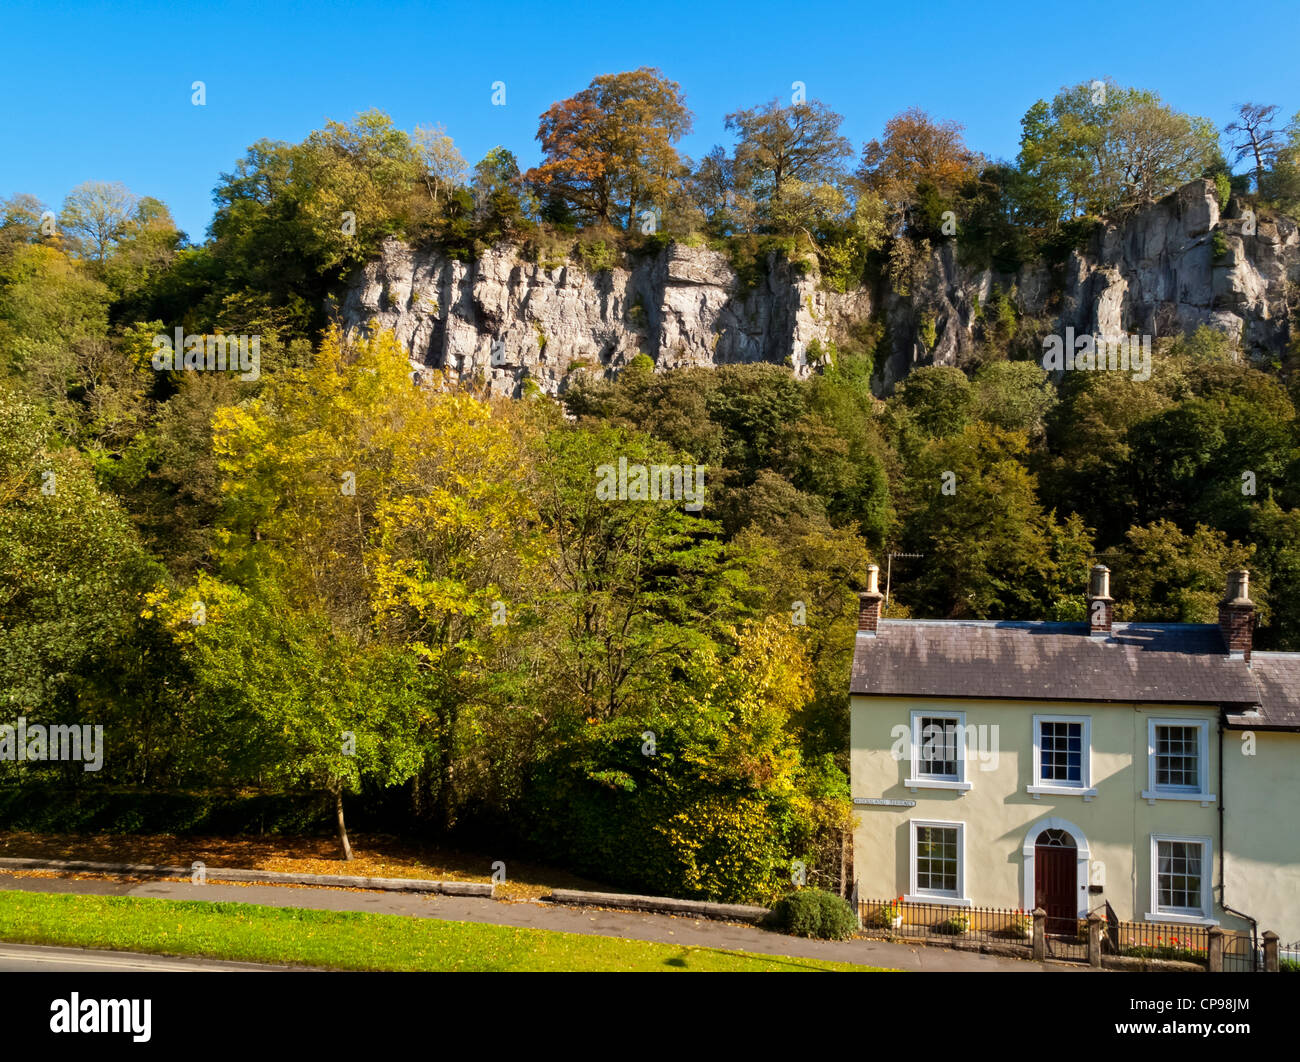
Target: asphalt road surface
[(28, 958)]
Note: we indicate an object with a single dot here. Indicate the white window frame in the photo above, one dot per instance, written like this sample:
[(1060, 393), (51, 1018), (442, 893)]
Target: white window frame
[(1204, 916), (916, 780), (1038, 787), (915, 895), (1152, 793)]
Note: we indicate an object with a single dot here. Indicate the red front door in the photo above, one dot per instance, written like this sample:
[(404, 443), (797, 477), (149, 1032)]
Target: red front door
[(1055, 885)]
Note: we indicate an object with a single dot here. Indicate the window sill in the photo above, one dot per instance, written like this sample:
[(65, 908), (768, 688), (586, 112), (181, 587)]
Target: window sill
[(947, 901), (1152, 795), (934, 783), (1177, 919), (1060, 790)]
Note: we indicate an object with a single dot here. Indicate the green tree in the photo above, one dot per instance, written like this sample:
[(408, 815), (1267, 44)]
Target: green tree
[(1098, 146), (1178, 577), (71, 569), (787, 161)]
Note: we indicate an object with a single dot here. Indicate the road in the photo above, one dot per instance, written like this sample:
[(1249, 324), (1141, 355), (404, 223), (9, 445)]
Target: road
[(28, 958)]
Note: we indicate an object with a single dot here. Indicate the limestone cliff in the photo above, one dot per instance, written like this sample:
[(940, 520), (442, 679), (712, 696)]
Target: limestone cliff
[(1156, 271)]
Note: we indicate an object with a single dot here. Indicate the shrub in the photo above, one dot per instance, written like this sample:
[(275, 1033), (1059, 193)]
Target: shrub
[(596, 256), (1222, 188), (814, 913), (1288, 965), (1219, 245), (954, 926), (928, 331)]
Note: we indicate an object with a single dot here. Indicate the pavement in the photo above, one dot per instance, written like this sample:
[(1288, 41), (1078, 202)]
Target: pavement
[(632, 925)]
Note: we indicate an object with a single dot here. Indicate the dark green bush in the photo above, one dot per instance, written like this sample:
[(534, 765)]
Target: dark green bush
[(814, 913)]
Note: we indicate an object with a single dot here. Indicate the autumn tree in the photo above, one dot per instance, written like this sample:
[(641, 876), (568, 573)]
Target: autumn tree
[(396, 513), (609, 150), (916, 151)]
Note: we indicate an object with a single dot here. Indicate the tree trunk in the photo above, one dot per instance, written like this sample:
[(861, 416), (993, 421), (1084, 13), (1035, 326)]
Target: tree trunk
[(338, 818)]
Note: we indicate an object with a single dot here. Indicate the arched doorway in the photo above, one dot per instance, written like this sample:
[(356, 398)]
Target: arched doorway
[(1056, 858)]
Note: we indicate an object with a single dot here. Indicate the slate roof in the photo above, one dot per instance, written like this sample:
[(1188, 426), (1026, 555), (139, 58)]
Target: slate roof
[(1277, 677), (1167, 663)]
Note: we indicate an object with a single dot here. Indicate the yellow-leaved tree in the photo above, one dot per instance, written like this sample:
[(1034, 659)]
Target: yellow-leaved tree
[(372, 516)]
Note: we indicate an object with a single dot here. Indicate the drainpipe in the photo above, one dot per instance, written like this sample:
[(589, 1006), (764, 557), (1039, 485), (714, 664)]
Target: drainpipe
[(1223, 881)]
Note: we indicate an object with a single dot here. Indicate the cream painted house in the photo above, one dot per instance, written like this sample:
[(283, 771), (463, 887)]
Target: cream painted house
[(1154, 767)]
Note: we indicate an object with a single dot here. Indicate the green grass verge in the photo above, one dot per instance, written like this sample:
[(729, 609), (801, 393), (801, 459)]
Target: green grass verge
[(346, 940)]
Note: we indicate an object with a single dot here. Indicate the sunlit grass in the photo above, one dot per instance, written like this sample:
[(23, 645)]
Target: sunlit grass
[(347, 940)]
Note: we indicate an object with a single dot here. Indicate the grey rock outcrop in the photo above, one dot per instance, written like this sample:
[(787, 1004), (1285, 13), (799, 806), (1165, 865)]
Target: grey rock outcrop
[(1155, 271), (512, 320)]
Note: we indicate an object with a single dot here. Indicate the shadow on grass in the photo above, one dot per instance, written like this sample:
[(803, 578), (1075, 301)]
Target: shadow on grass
[(784, 962)]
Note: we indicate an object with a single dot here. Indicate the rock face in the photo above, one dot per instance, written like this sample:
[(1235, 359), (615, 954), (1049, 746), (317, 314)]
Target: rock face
[(513, 320), (1155, 272)]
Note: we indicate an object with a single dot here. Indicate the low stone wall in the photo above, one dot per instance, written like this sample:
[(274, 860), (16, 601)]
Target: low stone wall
[(730, 912)]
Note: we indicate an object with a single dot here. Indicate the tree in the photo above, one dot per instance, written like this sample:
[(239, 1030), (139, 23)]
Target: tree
[(444, 167), (1282, 182), (1177, 577), (96, 215), (292, 218), (609, 150), (1150, 150), (991, 550), (71, 568), (1254, 137), (20, 223), (939, 399), (786, 152), (145, 250), (49, 308), (288, 699), (1015, 396), (916, 150), (638, 586), (1098, 146), (713, 191), (499, 207), (397, 513)]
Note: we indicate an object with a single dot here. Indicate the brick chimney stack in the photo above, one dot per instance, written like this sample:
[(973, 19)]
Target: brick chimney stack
[(1101, 606), (870, 601), (1237, 615)]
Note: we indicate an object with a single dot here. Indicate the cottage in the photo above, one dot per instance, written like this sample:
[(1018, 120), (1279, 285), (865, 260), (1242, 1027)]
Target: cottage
[(1147, 770)]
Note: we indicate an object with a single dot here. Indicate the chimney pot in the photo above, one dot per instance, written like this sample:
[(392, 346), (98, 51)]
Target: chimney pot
[(870, 602), (1101, 606), (1237, 615)]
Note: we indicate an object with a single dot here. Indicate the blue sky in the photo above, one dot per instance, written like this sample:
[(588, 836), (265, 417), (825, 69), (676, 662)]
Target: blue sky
[(102, 91)]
